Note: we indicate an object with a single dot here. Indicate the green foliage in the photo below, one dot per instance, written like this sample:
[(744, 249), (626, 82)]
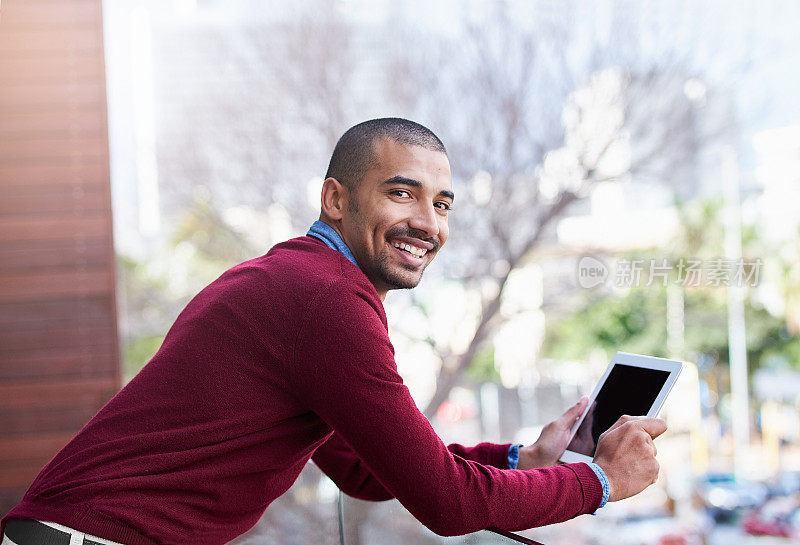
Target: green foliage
[(635, 323), (142, 288), (637, 320), (702, 234), (153, 291), (214, 240), (482, 368), (138, 351)]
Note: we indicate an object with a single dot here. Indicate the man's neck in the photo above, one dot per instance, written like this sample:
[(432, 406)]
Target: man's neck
[(330, 233)]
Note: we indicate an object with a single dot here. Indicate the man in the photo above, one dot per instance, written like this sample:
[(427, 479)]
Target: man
[(286, 357)]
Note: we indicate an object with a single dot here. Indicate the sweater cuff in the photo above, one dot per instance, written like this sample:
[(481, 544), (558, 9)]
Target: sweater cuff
[(498, 455), (590, 485)]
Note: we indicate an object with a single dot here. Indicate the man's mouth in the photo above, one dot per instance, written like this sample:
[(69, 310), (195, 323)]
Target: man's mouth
[(411, 249)]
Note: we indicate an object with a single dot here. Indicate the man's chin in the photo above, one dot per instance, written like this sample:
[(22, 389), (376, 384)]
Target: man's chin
[(404, 285), (402, 282)]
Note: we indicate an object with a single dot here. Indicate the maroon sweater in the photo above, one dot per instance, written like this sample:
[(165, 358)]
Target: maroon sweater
[(283, 358)]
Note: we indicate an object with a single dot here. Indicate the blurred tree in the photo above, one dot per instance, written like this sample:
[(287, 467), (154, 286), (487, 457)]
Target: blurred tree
[(535, 107), (534, 110), (212, 238), (145, 311), (311, 63), (637, 321), (785, 261), (533, 120), (153, 292)]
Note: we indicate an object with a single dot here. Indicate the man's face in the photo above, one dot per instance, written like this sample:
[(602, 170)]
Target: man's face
[(397, 219)]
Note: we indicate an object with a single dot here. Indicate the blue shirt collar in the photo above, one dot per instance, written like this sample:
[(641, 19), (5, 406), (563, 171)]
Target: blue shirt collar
[(331, 238)]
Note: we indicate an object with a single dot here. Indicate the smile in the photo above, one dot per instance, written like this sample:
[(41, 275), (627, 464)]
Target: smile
[(413, 250)]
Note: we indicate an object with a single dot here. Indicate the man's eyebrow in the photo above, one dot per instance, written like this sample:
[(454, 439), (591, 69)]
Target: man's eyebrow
[(416, 183), (403, 181)]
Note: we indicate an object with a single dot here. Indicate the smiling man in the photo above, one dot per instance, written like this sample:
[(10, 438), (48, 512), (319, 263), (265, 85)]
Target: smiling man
[(287, 358), (391, 210)]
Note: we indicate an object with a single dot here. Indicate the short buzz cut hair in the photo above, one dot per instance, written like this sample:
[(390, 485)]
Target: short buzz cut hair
[(354, 153)]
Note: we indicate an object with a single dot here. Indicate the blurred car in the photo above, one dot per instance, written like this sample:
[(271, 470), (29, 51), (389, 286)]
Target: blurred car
[(778, 517), (724, 497)]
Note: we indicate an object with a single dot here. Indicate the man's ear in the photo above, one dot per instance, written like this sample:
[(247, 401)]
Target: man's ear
[(334, 198)]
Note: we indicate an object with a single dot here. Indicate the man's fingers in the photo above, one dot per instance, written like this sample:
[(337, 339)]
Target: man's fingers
[(574, 412), (622, 419), (653, 426)]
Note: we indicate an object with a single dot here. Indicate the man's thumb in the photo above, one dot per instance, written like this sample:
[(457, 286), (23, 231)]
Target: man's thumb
[(653, 426), (576, 410)]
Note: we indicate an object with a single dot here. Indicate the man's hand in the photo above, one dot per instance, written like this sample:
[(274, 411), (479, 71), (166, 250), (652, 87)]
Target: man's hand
[(553, 441), (627, 454), (583, 442)]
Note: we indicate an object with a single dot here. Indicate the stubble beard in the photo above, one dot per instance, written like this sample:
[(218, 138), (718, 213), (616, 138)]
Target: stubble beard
[(381, 266), (392, 279)]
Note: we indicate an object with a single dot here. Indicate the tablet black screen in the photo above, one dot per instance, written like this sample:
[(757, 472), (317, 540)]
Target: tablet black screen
[(627, 390)]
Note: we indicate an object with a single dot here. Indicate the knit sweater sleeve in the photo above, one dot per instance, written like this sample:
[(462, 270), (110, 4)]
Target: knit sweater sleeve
[(343, 370), (341, 463)]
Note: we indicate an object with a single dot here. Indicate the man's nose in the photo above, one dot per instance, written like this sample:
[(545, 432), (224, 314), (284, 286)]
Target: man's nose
[(425, 219)]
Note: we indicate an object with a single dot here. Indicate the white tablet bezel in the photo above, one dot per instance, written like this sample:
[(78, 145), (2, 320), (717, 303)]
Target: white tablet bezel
[(635, 360)]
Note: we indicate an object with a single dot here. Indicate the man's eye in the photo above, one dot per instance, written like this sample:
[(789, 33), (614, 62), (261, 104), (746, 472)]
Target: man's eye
[(401, 193), (442, 206)]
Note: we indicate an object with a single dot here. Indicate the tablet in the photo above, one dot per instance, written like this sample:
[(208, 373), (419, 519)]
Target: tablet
[(632, 384)]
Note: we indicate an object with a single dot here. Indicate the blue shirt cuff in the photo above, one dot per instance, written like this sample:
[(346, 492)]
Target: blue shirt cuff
[(603, 481), (513, 456)]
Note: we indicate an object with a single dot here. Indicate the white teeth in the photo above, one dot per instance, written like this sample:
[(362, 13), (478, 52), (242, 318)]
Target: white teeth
[(413, 250)]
